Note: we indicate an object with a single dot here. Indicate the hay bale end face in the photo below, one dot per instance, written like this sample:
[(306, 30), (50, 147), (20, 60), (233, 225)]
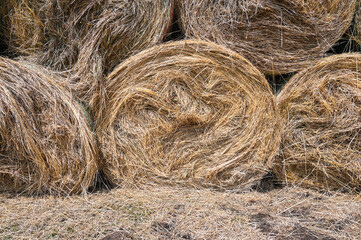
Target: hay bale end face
[(321, 110), (122, 29), (188, 112), (89, 37), (276, 36), (46, 145)]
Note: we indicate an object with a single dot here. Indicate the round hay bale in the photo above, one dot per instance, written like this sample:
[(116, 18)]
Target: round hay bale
[(122, 29), (102, 32), (46, 145), (188, 113), (276, 36), (38, 28), (321, 110)]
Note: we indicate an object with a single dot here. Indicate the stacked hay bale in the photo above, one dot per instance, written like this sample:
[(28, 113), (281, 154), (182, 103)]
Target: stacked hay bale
[(188, 112), (276, 36), (93, 35), (122, 29), (46, 145), (321, 110)]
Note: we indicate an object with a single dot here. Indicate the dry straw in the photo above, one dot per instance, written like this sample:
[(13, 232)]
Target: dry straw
[(190, 113), (321, 109), (93, 35), (276, 36), (122, 29), (46, 145)]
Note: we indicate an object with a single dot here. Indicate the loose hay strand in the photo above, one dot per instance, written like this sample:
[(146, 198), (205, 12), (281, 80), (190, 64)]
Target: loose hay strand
[(321, 110), (276, 36), (46, 145), (187, 112)]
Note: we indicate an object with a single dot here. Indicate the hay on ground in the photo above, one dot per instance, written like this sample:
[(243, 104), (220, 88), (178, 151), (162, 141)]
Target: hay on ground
[(276, 36), (188, 112), (321, 109), (46, 145)]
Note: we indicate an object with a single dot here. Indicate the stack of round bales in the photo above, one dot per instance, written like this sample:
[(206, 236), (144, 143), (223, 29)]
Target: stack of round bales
[(321, 111), (276, 36), (46, 144), (90, 36), (188, 113)]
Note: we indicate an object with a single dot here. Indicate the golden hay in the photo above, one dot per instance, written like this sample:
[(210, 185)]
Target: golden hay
[(188, 112), (46, 145), (90, 32), (276, 36), (321, 143), (122, 29)]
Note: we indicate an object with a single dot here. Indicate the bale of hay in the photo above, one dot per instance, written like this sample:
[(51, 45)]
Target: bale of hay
[(39, 28), (46, 144), (321, 110), (276, 36), (122, 29), (187, 112), (102, 32)]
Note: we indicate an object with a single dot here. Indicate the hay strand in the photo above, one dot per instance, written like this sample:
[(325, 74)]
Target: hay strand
[(46, 145), (321, 109), (276, 36), (188, 112)]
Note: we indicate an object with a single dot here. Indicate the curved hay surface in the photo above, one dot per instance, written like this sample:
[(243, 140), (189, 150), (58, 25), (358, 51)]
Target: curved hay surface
[(122, 29), (46, 145), (93, 35), (276, 36), (187, 112), (321, 108)]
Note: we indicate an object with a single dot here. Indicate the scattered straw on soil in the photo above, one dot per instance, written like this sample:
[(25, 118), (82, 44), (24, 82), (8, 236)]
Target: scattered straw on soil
[(321, 109), (276, 36), (187, 112), (46, 142), (169, 213)]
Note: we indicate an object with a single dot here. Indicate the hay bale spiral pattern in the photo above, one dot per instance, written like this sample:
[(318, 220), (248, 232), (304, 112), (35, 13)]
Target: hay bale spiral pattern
[(321, 109), (46, 145), (187, 112), (276, 36)]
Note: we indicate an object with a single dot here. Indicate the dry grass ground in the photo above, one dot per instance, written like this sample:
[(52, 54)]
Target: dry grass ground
[(170, 213)]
